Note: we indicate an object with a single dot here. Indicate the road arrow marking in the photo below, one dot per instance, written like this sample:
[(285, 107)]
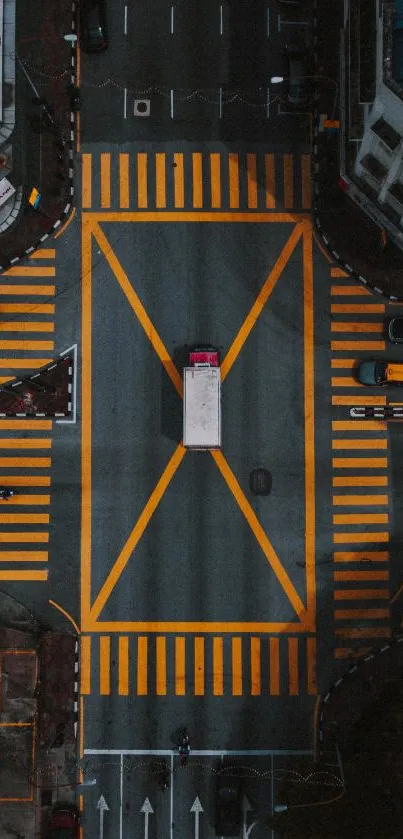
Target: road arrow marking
[(246, 808), (196, 808), (147, 810), (102, 807)]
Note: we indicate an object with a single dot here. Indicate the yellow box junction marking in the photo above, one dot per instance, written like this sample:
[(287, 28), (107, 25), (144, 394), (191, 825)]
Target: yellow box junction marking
[(91, 611)]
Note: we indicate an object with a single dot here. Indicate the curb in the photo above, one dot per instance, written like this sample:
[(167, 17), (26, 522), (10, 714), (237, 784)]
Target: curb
[(76, 690), (359, 667), (68, 207), (334, 254)]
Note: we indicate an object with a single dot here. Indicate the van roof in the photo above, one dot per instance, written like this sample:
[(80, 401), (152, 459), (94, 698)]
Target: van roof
[(394, 372)]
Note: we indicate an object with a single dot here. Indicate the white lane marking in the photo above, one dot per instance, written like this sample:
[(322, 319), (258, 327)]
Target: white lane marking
[(203, 752), (196, 808), (221, 21), (172, 20), (147, 810), (125, 104), (121, 796), (171, 803), (125, 26), (172, 104), (268, 22), (102, 807), (268, 103), (72, 421)]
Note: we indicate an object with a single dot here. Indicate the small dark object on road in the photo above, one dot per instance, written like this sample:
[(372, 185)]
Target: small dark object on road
[(7, 493), (395, 330), (260, 481), (74, 95)]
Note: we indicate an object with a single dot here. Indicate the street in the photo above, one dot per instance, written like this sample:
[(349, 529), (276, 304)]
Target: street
[(200, 604)]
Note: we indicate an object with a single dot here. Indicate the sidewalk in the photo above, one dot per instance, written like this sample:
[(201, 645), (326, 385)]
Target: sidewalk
[(38, 720), (41, 146), (350, 235)]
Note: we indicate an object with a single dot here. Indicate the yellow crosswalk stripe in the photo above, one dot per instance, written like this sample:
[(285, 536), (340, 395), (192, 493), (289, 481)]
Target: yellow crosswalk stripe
[(358, 400), (233, 172), (104, 665), (349, 290), (362, 594), (43, 253), (179, 182), (160, 181), (356, 326), (347, 538), (359, 462), (124, 687), (25, 443), (361, 443), (105, 180), (27, 290), (345, 381), (27, 326), (360, 500), (357, 308), (27, 345), (361, 614), (356, 425), (215, 177), (199, 666), (360, 480), (142, 190), (251, 181), (364, 632), (29, 271), (255, 666), (358, 576), (361, 518), (218, 669), (24, 576), (24, 518), (180, 666), (293, 666), (357, 556), (270, 179), (27, 308), (23, 556), (357, 346), (14, 536), (142, 660), (161, 650), (197, 180), (237, 687), (124, 181)]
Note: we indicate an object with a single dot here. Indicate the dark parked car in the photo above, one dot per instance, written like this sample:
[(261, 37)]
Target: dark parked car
[(297, 72), (228, 805), (64, 821), (375, 373), (93, 30), (395, 330)]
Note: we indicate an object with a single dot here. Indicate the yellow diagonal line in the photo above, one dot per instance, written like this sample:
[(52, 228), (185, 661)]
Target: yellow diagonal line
[(139, 309), (260, 301), (137, 531), (259, 533)]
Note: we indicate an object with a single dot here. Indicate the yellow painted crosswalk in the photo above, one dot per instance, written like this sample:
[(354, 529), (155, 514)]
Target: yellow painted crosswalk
[(359, 476), (182, 665), (196, 180), (26, 313)]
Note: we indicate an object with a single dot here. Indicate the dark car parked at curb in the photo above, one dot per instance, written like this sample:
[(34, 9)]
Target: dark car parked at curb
[(395, 330), (93, 29), (228, 805), (64, 821), (376, 373), (297, 73)]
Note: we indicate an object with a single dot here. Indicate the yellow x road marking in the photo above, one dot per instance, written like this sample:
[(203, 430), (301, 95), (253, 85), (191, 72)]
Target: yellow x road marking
[(90, 614)]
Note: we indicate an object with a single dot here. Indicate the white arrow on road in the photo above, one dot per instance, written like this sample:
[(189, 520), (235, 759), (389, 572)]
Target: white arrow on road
[(196, 808), (102, 807), (147, 810), (245, 810)]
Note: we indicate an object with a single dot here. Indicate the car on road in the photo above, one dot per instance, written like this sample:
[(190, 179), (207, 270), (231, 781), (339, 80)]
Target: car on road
[(228, 804), (375, 373), (395, 330), (64, 821), (297, 73), (93, 28)]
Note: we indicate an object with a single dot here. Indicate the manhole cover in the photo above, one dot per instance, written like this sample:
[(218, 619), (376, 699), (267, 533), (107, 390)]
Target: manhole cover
[(260, 481)]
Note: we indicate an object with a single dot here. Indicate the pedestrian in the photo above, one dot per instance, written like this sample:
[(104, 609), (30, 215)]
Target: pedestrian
[(7, 493)]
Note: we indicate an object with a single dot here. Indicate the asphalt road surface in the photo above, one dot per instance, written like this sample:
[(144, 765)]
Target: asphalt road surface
[(199, 603)]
